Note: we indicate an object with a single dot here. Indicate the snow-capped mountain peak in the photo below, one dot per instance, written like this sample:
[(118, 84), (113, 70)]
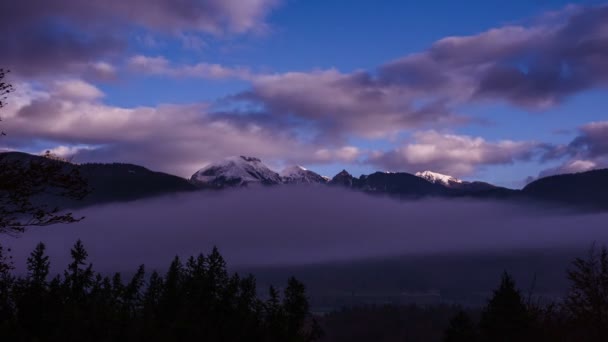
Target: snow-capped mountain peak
[(292, 170), (438, 178), (235, 171), (299, 175)]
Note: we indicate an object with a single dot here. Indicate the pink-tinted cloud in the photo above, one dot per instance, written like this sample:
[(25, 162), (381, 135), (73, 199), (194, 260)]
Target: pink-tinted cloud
[(72, 118), (459, 155), (336, 104)]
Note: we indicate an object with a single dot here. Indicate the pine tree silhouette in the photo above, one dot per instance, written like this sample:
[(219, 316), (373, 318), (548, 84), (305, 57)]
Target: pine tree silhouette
[(506, 317), (197, 301)]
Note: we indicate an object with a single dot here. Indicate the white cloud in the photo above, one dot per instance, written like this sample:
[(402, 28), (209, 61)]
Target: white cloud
[(459, 155), (162, 67), (74, 89)]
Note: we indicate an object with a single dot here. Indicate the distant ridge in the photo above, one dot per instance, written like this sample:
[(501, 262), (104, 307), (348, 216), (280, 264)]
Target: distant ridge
[(114, 182), (588, 189), (455, 183), (126, 182)]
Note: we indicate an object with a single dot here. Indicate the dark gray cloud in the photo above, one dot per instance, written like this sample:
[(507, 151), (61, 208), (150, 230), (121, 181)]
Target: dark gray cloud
[(532, 66), (58, 36), (305, 225)]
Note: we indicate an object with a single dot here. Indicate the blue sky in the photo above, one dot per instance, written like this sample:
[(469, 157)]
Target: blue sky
[(251, 78)]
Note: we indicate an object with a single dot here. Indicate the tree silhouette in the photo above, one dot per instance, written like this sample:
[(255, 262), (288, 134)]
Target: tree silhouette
[(587, 299), (195, 301), (5, 88), (27, 185), (506, 317)]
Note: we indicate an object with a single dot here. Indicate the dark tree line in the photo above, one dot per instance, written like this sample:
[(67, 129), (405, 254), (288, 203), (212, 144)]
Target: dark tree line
[(509, 317), (195, 300)]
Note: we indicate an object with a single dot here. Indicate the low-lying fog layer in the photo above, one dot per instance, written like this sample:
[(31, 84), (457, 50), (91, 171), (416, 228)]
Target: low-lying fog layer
[(282, 226)]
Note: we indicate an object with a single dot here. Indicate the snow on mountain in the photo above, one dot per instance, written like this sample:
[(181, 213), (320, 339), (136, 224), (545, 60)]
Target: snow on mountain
[(235, 171), (439, 178), (298, 175)]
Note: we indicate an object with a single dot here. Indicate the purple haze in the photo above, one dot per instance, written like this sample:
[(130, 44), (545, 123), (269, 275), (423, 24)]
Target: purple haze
[(283, 226)]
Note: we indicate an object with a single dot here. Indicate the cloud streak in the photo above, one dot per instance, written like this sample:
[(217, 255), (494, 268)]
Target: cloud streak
[(160, 66)]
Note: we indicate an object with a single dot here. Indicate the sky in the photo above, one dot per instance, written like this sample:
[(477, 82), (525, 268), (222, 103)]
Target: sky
[(503, 92)]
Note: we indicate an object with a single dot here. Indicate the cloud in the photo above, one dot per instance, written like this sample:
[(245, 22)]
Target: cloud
[(211, 16), (347, 154), (41, 36), (160, 66), (69, 116), (76, 90), (101, 71), (316, 113), (459, 155), (534, 66), (336, 104), (570, 166), (593, 140), (587, 151)]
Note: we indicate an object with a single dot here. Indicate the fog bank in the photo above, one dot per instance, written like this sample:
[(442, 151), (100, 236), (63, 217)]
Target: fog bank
[(283, 226)]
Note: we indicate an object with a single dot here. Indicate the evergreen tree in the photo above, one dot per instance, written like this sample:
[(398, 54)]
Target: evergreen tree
[(506, 317), (32, 292), (195, 302), (38, 265), (79, 276), (296, 307)]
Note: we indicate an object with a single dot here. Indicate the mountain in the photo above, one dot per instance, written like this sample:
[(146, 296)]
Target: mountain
[(457, 184), (126, 182), (111, 182), (439, 178), (588, 189), (399, 183), (343, 178), (394, 183), (235, 171), (298, 175)]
